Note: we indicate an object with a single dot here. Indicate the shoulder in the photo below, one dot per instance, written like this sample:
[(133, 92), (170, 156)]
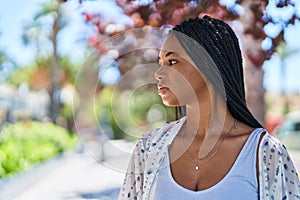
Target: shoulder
[(270, 144), (158, 132), (270, 139), (278, 175), (272, 149), (165, 132), (275, 159)]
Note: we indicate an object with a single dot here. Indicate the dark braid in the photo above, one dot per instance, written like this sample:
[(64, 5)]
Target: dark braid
[(226, 72)]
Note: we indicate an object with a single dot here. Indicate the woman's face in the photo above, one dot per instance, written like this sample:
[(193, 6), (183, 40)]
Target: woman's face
[(179, 80)]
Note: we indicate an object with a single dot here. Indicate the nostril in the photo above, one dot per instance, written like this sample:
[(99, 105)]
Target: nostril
[(159, 74)]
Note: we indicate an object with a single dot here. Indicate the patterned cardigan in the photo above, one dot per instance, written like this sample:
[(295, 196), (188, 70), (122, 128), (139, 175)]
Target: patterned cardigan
[(278, 178)]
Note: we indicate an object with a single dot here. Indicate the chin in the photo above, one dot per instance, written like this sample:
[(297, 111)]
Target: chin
[(171, 103)]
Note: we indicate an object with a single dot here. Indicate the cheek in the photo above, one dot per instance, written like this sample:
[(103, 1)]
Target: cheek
[(197, 82), (184, 86), (183, 83), (187, 86), (183, 91)]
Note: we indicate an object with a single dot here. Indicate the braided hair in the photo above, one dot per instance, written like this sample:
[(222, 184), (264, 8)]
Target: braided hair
[(219, 44)]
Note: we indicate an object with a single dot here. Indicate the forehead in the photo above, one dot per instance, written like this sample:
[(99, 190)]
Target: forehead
[(171, 44)]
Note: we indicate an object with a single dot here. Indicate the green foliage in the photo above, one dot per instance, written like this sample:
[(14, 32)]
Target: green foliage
[(21, 75), (69, 67), (104, 111), (128, 111), (67, 111), (24, 144)]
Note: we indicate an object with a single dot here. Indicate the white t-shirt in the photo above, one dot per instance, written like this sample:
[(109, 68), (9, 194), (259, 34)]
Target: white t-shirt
[(239, 183)]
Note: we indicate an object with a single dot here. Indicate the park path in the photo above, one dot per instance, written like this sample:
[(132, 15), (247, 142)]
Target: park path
[(73, 176)]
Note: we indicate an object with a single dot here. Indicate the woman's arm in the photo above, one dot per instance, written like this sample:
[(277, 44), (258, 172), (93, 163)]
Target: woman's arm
[(133, 184), (278, 178)]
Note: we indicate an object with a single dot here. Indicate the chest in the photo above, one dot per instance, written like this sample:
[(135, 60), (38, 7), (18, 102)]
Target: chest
[(196, 174)]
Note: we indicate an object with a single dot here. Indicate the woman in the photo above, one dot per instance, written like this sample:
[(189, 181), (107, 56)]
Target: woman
[(218, 150)]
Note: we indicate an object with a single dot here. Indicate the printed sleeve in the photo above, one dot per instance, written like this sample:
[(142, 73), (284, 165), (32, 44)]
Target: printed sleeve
[(132, 187), (278, 178)]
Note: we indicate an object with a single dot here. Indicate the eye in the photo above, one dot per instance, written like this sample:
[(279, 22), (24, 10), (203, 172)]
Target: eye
[(173, 62)]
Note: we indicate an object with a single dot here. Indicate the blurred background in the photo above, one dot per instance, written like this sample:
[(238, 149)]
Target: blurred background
[(77, 86)]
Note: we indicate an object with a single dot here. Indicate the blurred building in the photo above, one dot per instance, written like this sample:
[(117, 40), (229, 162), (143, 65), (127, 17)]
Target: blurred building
[(20, 103), (276, 108)]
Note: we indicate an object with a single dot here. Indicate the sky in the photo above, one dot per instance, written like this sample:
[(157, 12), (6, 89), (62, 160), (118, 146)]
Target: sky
[(15, 13), (11, 19)]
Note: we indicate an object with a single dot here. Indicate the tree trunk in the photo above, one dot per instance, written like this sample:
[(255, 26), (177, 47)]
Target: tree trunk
[(254, 88), (56, 73), (253, 76), (253, 57)]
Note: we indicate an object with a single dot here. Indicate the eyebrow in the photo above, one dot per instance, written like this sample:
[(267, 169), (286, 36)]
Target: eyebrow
[(167, 54)]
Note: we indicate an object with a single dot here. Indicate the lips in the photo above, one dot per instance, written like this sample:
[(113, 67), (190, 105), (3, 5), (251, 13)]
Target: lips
[(162, 89)]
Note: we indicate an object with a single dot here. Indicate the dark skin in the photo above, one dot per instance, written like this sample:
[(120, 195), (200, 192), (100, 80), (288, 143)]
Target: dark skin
[(208, 121), (209, 173)]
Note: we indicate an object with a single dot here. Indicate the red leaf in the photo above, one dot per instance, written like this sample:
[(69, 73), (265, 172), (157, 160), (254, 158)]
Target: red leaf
[(88, 17), (94, 41)]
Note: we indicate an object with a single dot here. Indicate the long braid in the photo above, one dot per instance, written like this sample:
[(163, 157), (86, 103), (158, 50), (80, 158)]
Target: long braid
[(226, 73)]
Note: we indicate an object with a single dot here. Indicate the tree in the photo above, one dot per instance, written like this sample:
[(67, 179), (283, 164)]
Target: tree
[(7, 65), (252, 15), (48, 22)]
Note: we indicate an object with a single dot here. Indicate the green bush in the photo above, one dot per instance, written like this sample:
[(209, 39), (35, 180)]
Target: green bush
[(24, 144), (128, 110)]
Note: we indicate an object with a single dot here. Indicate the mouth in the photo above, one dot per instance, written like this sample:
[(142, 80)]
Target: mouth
[(162, 89)]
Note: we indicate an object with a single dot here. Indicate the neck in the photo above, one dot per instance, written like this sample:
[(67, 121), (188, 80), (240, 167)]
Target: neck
[(208, 120), (209, 114)]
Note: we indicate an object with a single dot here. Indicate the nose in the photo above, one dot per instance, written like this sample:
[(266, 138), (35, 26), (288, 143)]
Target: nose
[(160, 73)]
